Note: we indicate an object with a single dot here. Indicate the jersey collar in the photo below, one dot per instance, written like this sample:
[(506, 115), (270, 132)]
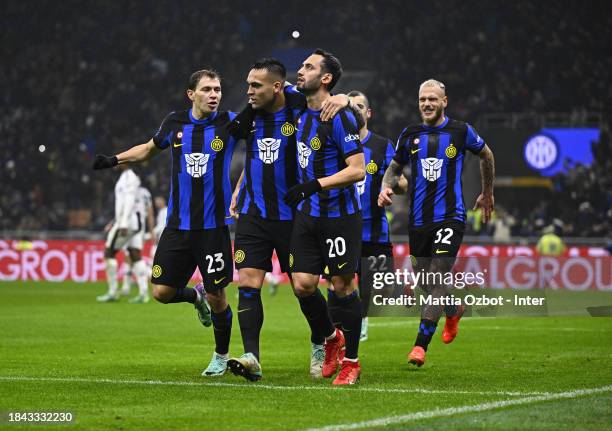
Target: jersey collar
[(367, 138), (444, 123), (205, 120)]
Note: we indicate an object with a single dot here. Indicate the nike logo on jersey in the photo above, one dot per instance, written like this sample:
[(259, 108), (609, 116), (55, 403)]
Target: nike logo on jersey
[(441, 251), (414, 151), (175, 145), (342, 266), (219, 280)]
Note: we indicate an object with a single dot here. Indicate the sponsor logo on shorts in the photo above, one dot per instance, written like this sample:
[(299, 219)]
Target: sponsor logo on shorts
[(239, 256), (290, 260), (441, 251), (219, 280), (340, 266), (157, 271)]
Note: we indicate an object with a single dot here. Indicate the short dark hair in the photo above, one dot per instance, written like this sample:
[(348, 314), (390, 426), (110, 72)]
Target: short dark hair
[(196, 76), (330, 64), (356, 93), (271, 65)]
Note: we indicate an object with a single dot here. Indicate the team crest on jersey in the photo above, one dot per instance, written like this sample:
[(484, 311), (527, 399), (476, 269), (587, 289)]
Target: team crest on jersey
[(268, 149), (450, 151), (196, 164), (287, 129), (303, 154), (372, 167), (361, 186), (432, 167), (315, 143), (216, 144)]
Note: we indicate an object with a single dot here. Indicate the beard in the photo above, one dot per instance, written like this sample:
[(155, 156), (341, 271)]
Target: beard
[(438, 112), (309, 87)]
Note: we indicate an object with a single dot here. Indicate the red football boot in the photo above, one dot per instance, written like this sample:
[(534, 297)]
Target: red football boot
[(417, 356), (451, 327), (349, 373), (332, 354)]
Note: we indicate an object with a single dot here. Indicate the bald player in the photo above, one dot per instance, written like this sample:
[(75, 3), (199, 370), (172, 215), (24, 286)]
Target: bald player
[(435, 150)]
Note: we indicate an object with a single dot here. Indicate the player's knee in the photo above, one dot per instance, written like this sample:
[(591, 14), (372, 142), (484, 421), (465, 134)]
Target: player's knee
[(302, 290), (343, 284), (163, 294), (251, 277), (217, 300)]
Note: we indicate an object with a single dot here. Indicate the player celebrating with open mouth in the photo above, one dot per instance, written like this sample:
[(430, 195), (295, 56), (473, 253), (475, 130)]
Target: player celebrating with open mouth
[(435, 150)]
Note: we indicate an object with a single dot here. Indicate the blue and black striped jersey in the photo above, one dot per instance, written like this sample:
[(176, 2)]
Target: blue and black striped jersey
[(270, 166), (322, 150), (378, 153), (435, 155), (200, 188)]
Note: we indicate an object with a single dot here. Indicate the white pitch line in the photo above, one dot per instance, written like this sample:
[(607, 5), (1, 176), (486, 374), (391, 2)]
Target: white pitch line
[(452, 411), (264, 386)]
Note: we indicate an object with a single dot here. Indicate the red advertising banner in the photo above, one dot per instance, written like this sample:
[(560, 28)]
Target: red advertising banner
[(518, 267)]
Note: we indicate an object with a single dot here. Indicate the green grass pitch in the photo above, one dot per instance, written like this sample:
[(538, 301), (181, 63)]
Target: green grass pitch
[(126, 367)]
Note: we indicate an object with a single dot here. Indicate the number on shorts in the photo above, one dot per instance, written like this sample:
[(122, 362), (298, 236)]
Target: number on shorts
[(445, 240), (337, 247), (378, 263), (216, 258)]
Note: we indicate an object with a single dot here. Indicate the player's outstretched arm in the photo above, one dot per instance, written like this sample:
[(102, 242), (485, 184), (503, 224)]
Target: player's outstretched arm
[(485, 200), (391, 182), (354, 172), (138, 153)]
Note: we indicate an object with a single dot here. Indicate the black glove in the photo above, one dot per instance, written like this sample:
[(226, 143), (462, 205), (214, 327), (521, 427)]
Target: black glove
[(103, 162), (241, 126), (299, 192)]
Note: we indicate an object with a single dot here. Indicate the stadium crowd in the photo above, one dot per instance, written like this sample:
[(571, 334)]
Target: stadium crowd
[(87, 77)]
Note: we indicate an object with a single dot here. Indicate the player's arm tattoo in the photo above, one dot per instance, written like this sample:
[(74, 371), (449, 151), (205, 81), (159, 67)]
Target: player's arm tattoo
[(402, 185), (487, 170), (392, 175)]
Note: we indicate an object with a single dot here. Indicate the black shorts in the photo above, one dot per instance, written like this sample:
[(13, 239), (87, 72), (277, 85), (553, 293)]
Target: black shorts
[(436, 241), (257, 237), (180, 251), (376, 256), (325, 243)]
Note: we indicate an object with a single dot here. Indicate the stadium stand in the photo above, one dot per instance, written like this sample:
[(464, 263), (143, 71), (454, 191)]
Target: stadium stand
[(98, 77)]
